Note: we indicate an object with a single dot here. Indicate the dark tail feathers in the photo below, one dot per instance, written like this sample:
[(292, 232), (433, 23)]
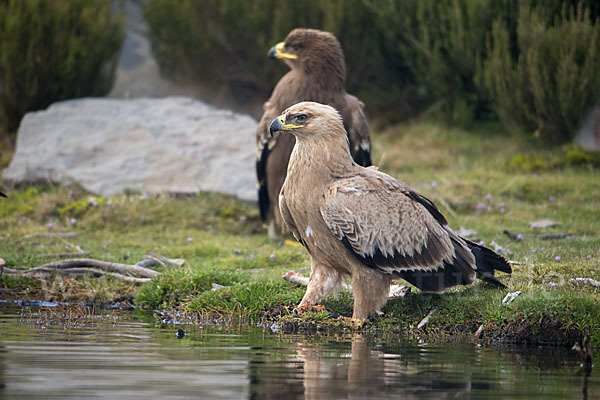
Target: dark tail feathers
[(488, 262)]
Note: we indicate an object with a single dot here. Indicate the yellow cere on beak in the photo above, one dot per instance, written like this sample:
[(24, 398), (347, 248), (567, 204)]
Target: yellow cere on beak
[(287, 127), (279, 53)]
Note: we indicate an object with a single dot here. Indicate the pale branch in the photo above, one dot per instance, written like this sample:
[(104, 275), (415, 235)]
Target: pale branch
[(178, 262), (156, 259), (45, 272), (425, 320), (103, 265), (122, 269)]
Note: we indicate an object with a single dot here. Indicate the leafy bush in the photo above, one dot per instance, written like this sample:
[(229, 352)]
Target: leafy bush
[(224, 43), (442, 42), (54, 50), (549, 79)]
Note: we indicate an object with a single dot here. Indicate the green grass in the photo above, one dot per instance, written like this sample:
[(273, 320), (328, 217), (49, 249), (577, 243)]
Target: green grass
[(480, 179)]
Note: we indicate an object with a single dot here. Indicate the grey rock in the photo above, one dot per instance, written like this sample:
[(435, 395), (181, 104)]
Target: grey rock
[(467, 232), (543, 224), (172, 144)]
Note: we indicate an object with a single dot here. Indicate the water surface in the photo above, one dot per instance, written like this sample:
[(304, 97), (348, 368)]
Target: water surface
[(51, 353)]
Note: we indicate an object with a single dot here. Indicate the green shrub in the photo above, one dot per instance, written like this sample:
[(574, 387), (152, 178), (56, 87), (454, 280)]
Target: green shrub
[(442, 42), (55, 50), (570, 155), (546, 79), (224, 43)]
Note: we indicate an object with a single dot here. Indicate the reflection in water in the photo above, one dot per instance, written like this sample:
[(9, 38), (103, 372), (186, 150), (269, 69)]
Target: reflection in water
[(122, 357), (360, 370)]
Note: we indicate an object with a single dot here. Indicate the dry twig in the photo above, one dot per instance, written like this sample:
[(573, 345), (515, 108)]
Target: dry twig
[(45, 272)]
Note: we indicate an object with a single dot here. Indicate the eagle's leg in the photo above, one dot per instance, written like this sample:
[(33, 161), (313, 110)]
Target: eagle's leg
[(370, 289), (275, 225), (323, 280), (272, 231)]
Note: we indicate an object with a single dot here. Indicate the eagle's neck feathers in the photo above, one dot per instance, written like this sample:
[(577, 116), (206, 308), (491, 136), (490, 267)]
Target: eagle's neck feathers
[(321, 159)]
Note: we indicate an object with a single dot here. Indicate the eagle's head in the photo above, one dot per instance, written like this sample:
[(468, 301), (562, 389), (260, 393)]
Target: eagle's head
[(309, 120), (312, 51)]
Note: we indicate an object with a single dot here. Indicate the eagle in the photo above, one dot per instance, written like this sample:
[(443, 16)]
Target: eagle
[(318, 73), (362, 223)]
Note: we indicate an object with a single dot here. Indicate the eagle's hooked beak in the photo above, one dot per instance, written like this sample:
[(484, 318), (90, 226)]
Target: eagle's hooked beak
[(279, 124), (277, 52)]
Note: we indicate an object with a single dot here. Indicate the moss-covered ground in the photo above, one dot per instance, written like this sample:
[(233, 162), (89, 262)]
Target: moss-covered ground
[(480, 179)]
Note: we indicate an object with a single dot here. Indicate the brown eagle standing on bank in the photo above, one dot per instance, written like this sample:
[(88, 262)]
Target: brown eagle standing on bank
[(361, 222), (318, 73)]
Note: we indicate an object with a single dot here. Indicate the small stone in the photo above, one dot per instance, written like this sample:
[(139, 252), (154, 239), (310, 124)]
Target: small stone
[(467, 232), (543, 224)]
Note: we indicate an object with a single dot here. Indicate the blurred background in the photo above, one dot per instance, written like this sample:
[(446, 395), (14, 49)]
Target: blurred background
[(530, 64)]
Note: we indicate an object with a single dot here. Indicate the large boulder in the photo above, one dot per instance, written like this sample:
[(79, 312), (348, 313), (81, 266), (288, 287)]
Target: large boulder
[(173, 144)]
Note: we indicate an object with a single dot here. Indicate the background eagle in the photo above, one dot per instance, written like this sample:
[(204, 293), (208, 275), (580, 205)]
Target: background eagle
[(318, 73), (361, 222)]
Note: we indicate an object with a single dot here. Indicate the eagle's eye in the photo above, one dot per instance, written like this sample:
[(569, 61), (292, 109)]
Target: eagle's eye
[(296, 47), (301, 117)]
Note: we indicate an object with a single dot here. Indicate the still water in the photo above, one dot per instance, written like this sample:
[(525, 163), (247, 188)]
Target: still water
[(47, 353)]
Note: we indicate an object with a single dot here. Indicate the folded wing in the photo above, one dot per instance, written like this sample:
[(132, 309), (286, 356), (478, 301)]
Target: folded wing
[(389, 227)]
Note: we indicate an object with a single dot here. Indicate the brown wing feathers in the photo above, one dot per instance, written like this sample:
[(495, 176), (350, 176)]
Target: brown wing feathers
[(443, 259)]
